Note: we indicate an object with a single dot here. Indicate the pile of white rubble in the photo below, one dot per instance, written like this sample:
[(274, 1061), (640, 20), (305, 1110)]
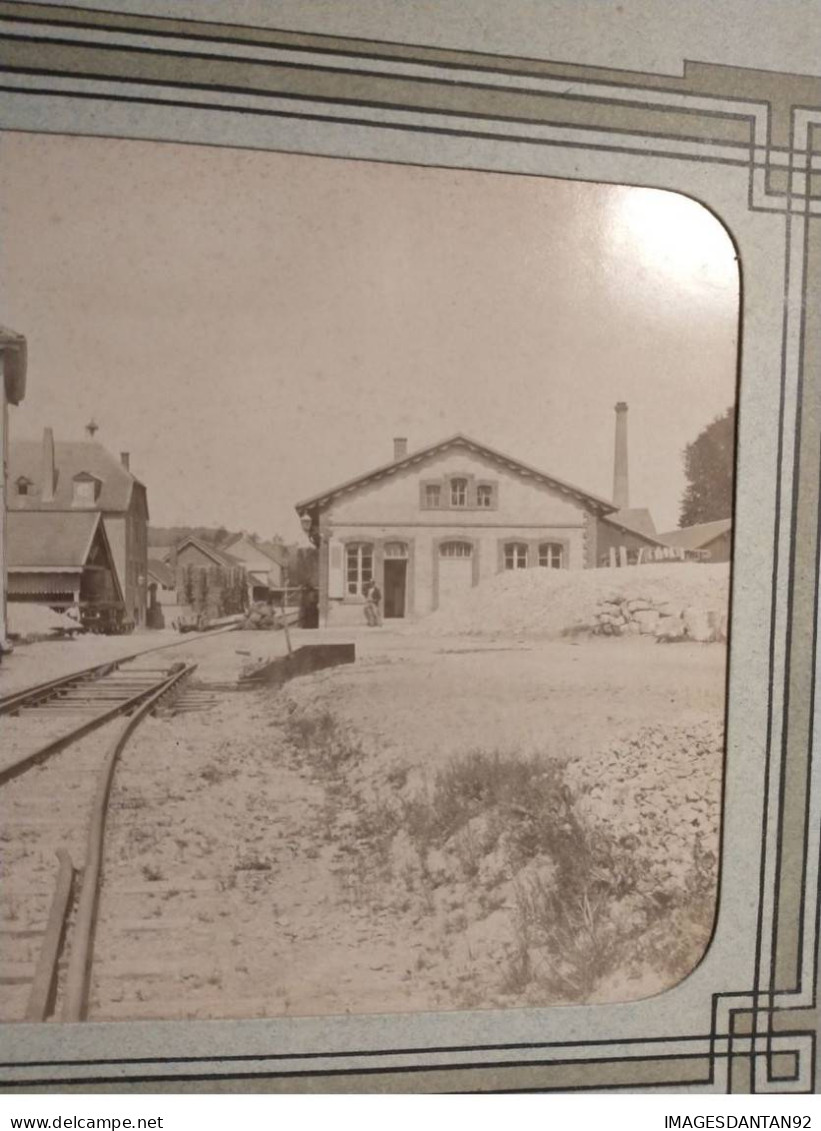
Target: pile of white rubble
[(665, 600)]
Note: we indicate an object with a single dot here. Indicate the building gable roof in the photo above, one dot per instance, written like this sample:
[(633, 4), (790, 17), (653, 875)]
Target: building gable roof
[(162, 572), (637, 521), (43, 540), (212, 552), (696, 536), (525, 471), (72, 460), (233, 546)]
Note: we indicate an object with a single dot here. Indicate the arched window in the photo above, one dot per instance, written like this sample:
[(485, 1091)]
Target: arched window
[(516, 555), (551, 555), (458, 492), (24, 485), (358, 567), (456, 550)]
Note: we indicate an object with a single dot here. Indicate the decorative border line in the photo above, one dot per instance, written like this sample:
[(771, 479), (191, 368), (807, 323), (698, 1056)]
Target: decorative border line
[(757, 152)]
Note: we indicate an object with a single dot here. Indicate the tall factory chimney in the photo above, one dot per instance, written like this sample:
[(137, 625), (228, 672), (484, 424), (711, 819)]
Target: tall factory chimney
[(621, 482), (48, 475)]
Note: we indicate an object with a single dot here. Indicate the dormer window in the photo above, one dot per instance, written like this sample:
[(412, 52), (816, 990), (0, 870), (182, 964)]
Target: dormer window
[(458, 492), (24, 486), (86, 490)]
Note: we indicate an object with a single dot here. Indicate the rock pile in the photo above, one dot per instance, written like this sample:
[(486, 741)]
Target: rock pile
[(661, 789), (551, 603), (623, 615)]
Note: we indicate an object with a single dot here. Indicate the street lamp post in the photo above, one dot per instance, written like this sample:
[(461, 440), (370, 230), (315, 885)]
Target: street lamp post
[(12, 391)]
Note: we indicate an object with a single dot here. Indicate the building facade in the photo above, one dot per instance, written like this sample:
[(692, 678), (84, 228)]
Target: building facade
[(71, 477), (436, 522)]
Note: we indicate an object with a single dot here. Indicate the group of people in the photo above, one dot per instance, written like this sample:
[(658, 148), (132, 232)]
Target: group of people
[(373, 605)]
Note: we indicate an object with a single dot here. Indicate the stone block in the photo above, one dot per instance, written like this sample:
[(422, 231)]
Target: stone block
[(700, 624), (671, 628), (609, 608)]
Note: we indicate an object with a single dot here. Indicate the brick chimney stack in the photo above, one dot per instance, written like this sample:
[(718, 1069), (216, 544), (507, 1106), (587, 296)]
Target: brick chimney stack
[(621, 483), (125, 460), (400, 447), (48, 470)]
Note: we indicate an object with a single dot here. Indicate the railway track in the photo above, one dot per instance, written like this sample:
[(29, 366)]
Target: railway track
[(55, 799), (15, 701)]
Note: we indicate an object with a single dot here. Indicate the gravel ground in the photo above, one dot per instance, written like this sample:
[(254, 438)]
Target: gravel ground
[(244, 879)]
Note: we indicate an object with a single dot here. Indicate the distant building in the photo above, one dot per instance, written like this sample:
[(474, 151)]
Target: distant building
[(433, 523), (162, 592), (68, 478), (208, 581), (709, 540), (263, 562), (193, 551), (162, 583)]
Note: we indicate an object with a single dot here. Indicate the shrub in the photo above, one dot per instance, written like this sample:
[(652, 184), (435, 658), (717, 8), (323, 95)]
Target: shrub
[(323, 741)]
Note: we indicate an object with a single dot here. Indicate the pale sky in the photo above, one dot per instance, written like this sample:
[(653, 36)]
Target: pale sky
[(256, 327)]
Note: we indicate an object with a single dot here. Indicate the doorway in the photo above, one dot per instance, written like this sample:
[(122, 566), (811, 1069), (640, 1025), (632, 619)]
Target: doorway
[(396, 575), (455, 572)]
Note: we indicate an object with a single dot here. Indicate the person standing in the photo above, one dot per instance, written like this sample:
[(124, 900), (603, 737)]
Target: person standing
[(376, 599), (370, 607)]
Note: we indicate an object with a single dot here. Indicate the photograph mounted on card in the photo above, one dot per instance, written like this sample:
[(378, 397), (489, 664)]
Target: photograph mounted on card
[(410, 556)]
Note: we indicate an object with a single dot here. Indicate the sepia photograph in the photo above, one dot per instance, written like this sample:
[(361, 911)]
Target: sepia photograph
[(367, 545)]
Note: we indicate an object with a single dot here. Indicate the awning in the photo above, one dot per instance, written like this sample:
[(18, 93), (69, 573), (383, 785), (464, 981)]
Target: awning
[(55, 584)]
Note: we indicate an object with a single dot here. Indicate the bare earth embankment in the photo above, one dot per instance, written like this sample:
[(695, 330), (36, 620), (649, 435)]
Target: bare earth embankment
[(441, 825)]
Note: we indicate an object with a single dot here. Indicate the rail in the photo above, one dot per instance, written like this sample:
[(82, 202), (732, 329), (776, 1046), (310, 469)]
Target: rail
[(38, 692), (78, 975), (123, 703)]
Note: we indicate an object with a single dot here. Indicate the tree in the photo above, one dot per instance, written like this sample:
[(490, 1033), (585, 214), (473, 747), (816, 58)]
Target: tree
[(708, 466)]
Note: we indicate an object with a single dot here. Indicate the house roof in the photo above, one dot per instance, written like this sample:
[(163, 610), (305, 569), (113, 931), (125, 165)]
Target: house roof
[(697, 536), (162, 572), (43, 540), (594, 502), (277, 554), (71, 459), (638, 521), (212, 552)]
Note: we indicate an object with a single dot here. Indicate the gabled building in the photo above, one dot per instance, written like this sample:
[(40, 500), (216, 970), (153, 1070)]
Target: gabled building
[(435, 522), (263, 562), (192, 551), (67, 478), (711, 541)]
